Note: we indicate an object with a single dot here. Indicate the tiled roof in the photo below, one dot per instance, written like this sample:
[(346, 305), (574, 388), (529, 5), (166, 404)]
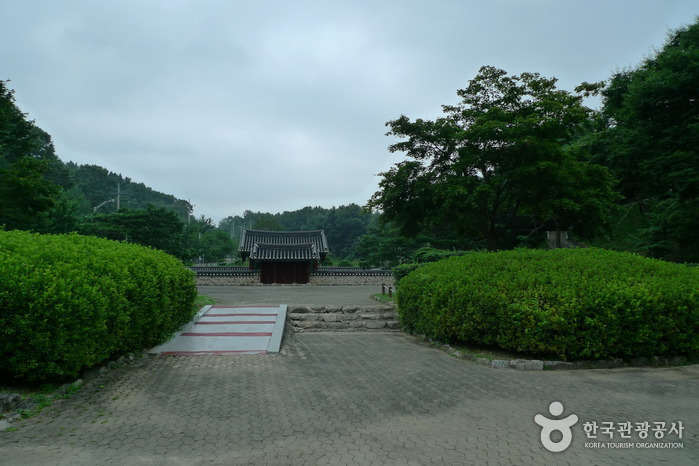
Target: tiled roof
[(286, 238), (293, 252), (283, 245)]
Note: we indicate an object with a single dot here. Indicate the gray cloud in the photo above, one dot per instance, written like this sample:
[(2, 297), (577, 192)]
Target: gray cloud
[(277, 105)]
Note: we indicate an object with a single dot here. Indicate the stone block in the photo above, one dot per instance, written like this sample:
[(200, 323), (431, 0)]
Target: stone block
[(9, 401), (638, 362), (356, 324), (388, 316), (528, 365), (349, 309), (676, 360), (558, 365), (659, 361), (610, 363), (296, 316), (370, 316), (336, 325), (310, 317), (348, 317), (500, 363), (306, 324), (374, 324), (299, 310), (331, 317), (393, 324)]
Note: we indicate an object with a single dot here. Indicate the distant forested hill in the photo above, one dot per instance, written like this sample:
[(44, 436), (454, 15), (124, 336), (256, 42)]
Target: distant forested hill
[(97, 185)]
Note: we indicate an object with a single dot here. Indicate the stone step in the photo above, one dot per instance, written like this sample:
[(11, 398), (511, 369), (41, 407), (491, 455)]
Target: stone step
[(351, 326), (336, 317), (343, 318)]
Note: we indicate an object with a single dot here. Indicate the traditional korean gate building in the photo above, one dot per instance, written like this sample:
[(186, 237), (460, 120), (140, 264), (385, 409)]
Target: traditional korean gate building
[(283, 256)]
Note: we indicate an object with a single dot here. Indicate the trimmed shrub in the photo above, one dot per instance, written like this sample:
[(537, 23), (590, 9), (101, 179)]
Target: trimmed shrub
[(566, 303), (69, 302), (430, 254), (422, 256), (401, 271)]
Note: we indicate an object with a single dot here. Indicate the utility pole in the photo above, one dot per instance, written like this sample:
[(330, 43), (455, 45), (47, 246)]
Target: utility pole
[(118, 200), (189, 214)]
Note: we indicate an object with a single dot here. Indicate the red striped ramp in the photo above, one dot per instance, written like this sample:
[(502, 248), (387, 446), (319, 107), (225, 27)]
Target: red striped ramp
[(229, 330)]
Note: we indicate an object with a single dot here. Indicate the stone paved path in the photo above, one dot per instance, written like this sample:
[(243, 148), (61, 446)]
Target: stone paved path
[(347, 398), (338, 398)]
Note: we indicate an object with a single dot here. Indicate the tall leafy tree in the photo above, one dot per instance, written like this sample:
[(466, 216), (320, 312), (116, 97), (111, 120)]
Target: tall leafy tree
[(156, 227), (498, 154), (651, 143), (27, 163)]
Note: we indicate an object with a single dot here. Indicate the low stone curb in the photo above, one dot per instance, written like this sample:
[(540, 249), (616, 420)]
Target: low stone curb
[(538, 365)]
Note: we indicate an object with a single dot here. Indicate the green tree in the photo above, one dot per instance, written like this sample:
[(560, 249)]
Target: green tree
[(496, 155), (29, 169), (651, 143), (155, 227), (26, 196), (215, 246), (383, 245), (267, 222)]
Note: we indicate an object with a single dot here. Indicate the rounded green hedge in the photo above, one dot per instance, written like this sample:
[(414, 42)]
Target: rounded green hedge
[(68, 302), (566, 303)]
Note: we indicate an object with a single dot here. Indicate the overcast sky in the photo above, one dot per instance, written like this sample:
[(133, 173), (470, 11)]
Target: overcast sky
[(277, 105)]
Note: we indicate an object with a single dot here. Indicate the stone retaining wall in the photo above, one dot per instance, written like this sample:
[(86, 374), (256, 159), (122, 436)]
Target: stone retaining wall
[(228, 280), (351, 280), (342, 318), (254, 279)]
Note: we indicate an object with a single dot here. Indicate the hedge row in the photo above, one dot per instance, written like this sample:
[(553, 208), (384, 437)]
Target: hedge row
[(565, 303), (68, 302)]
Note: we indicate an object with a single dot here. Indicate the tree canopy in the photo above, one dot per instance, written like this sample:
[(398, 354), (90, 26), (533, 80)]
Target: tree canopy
[(650, 142), (497, 155), (29, 169)]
